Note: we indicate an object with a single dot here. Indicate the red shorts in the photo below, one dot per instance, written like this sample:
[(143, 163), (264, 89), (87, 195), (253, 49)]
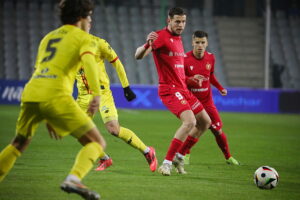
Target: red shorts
[(179, 100), (213, 113)]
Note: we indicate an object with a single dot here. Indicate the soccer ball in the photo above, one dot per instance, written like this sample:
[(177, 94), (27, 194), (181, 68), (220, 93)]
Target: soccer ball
[(266, 177)]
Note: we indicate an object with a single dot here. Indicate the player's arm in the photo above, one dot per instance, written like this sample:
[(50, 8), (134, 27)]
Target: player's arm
[(109, 54), (128, 93), (214, 81), (145, 49), (91, 71)]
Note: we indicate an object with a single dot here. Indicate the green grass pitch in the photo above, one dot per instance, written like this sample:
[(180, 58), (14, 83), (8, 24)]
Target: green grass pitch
[(255, 140)]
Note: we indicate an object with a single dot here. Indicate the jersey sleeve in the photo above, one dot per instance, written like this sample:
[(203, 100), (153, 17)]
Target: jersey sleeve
[(110, 55), (88, 59), (121, 73), (89, 46), (213, 79), (213, 64), (159, 42), (106, 52)]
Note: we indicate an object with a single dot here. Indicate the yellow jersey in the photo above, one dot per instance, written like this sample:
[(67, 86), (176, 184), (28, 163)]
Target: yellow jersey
[(56, 65), (104, 52)]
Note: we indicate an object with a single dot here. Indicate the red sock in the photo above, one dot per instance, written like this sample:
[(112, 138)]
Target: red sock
[(173, 149), (223, 144), (187, 145)]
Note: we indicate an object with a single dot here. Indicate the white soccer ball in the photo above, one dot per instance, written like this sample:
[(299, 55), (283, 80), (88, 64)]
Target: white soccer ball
[(266, 177)]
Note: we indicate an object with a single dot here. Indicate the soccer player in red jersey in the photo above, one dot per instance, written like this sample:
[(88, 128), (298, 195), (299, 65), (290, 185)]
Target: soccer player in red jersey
[(199, 69), (168, 53)]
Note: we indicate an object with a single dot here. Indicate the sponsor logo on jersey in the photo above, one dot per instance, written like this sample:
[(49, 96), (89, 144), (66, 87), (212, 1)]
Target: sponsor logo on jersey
[(181, 54), (183, 102), (208, 66), (199, 89), (105, 109), (178, 66)]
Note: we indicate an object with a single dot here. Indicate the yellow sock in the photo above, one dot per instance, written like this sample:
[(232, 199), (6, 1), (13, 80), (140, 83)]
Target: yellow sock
[(85, 159), (8, 157), (130, 138)]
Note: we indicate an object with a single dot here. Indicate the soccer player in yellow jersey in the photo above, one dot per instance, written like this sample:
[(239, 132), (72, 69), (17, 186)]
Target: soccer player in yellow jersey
[(48, 95), (107, 108)]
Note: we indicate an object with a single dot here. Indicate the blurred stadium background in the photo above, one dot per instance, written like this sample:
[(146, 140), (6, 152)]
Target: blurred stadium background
[(237, 36)]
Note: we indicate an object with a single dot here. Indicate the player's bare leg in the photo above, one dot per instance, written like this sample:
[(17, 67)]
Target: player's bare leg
[(188, 122), (203, 123)]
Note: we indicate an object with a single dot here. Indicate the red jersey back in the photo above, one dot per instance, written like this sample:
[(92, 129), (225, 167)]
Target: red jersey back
[(168, 54), (204, 67)]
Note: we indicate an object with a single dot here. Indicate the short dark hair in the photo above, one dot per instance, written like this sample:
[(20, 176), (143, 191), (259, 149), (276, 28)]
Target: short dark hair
[(200, 34), (72, 10), (176, 11)]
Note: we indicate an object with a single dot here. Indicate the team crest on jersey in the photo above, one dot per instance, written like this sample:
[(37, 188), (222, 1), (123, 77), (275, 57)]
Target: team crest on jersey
[(171, 40), (183, 102), (191, 67), (208, 66), (105, 109)]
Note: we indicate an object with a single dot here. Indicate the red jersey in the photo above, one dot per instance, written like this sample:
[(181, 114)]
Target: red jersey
[(168, 54), (205, 67)]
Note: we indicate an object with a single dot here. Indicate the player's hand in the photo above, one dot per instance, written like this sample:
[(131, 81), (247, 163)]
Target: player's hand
[(151, 37), (129, 94), (52, 132), (94, 105), (223, 92), (199, 78)]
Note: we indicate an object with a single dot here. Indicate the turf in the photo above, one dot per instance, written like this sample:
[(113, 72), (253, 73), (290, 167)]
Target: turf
[(255, 140)]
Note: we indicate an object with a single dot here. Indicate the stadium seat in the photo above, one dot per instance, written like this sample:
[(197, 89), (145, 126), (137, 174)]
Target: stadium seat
[(238, 43)]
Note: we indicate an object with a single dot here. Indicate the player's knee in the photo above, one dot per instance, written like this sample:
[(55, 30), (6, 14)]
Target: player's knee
[(189, 124), (113, 129), (207, 123), (204, 123)]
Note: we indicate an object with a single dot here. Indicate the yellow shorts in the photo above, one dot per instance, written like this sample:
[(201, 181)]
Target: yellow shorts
[(63, 114), (107, 108)]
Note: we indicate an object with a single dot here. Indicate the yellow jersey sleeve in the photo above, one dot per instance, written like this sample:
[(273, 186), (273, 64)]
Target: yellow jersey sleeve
[(88, 54), (107, 53)]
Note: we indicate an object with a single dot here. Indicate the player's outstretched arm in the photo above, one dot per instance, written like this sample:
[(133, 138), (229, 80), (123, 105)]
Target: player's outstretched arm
[(145, 49)]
